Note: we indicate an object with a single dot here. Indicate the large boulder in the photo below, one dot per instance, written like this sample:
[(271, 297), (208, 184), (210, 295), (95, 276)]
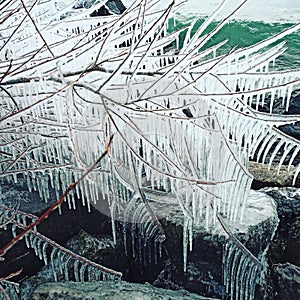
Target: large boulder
[(204, 274)]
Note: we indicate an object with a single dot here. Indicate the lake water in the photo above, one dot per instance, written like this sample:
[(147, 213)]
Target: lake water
[(255, 21), (255, 10)]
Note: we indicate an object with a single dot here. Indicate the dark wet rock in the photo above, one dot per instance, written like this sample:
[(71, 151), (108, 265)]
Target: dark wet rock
[(288, 205), (294, 230), (115, 6), (109, 291), (269, 291), (167, 278), (110, 7), (279, 108), (294, 107), (294, 242), (287, 280), (291, 129), (88, 246), (278, 248), (100, 248), (204, 267), (285, 246)]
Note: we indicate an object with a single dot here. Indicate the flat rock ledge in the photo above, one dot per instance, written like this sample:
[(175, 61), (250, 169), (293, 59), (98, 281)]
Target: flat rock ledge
[(109, 291)]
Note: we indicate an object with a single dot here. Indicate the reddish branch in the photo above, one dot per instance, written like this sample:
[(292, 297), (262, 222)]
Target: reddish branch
[(11, 275), (4, 279)]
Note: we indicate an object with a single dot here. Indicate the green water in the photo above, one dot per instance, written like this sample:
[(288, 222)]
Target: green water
[(246, 33)]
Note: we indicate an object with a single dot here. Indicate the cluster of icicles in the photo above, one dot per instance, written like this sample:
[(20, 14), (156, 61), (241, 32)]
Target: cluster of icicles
[(241, 273), (185, 122), (64, 263)]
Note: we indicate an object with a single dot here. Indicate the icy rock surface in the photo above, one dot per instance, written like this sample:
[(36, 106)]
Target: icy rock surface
[(109, 291)]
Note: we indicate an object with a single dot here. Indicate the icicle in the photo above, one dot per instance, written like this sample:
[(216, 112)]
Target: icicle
[(133, 236), (90, 274), (140, 249), (39, 248), (185, 241), (125, 239), (13, 228), (76, 272), (190, 231), (207, 215), (27, 241), (155, 252), (194, 207), (235, 264), (52, 255), (44, 253), (295, 153), (81, 272), (288, 97), (61, 256), (239, 273), (278, 146), (229, 256), (160, 247), (149, 253), (113, 224), (247, 279), (66, 268), (297, 172)]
